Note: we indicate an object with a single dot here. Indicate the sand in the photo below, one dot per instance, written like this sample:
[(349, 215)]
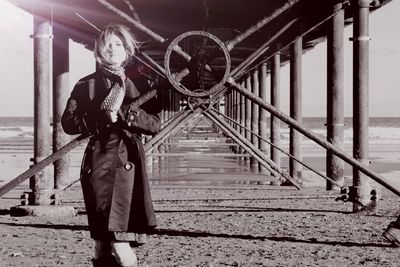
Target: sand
[(241, 223)]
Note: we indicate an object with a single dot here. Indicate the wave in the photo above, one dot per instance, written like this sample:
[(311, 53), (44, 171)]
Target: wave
[(376, 134), (20, 131)]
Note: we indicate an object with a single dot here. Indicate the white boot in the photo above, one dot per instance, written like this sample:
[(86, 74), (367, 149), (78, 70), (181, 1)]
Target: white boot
[(123, 254)]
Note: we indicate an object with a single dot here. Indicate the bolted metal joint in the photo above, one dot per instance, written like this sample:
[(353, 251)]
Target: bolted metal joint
[(345, 194), (349, 194), (375, 195), (25, 199)]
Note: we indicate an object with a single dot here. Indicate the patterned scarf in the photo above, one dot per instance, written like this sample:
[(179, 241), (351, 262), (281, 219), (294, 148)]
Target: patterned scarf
[(115, 97)]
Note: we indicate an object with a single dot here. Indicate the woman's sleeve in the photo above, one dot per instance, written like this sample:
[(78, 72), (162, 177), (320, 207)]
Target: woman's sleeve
[(73, 119), (141, 121), (144, 119)]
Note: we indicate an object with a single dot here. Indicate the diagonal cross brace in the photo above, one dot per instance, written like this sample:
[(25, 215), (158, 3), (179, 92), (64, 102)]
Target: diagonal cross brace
[(169, 129), (309, 134), (250, 148)]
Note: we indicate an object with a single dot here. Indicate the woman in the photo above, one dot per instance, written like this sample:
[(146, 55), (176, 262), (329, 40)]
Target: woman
[(113, 175)]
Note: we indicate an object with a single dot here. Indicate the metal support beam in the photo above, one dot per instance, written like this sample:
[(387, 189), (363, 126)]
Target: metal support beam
[(335, 96), (236, 97), (263, 113), (242, 120), (321, 141), (163, 115), (169, 103), (60, 97), (295, 169), (231, 105), (175, 124), (42, 183), (278, 148), (255, 89), (228, 104), (360, 101), (248, 110), (275, 101), (237, 107), (250, 148)]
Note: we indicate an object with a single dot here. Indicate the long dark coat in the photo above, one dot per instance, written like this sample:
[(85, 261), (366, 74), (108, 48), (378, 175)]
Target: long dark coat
[(113, 174)]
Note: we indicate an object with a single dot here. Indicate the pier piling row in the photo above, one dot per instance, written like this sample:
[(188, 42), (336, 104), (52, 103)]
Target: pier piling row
[(242, 98)]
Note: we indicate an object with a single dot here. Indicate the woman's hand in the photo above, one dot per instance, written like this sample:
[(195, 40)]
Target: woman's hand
[(112, 116)]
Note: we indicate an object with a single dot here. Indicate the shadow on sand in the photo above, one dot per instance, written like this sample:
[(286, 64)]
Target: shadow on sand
[(171, 232), (196, 234)]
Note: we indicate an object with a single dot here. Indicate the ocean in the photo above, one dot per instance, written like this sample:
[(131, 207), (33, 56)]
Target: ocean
[(383, 130), (16, 145)]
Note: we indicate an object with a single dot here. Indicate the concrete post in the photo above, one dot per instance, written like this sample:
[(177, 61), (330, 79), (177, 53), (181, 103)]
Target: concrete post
[(275, 101), (242, 117), (255, 89), (263, 114), (60, 97), (335, 96), (236, 99), (248, 113), (42, 183), (361, 182), (295, 169)]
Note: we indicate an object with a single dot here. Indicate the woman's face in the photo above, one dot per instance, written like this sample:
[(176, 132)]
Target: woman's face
[(115, 50)]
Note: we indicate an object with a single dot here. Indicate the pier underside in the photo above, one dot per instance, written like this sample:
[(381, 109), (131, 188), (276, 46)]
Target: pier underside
[(231, 185)]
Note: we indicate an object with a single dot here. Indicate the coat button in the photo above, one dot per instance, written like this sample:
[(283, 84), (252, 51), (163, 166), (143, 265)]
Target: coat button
[(87, 170), (128, 166)]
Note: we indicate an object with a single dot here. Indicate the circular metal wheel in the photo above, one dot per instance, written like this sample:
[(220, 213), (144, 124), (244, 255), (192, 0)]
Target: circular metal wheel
[(192, 74)]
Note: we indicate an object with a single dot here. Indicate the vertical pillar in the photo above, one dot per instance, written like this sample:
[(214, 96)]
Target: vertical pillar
[(242, 117), (156, 160), (335, 96), (236, 97), (176, 101), (228, 105), (167, 98), (172, 99), (42, 183), (237, 109), (295, 169), (232, 106), (169, 103), (232, 97), (163, 115), (248, 113), (360, 101), (263, 114), (275, 101), (231, 112), (60, 97), (254, 116)]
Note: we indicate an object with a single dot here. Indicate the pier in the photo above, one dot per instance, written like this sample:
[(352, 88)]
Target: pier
[(227, 188)]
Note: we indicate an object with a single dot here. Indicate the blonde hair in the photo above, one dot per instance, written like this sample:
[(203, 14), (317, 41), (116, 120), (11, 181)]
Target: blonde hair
[(122, 32)]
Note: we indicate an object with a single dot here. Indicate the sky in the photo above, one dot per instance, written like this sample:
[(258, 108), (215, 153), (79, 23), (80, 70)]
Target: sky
[(16, 66)]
